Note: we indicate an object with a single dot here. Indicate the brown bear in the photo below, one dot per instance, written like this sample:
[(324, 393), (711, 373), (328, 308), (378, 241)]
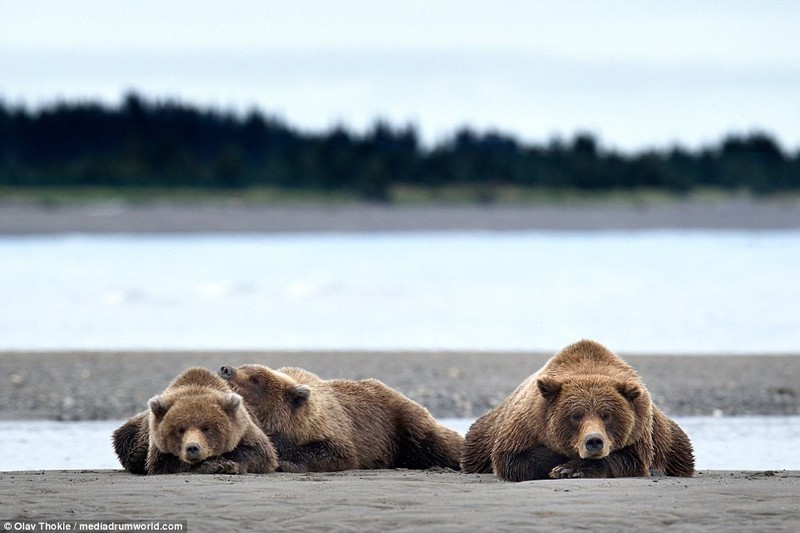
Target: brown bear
[(325, 425), (196, 425), (585, 413)]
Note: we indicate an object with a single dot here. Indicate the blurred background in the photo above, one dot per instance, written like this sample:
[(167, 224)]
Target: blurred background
[(378, 99), (673, 123), (637, 75)]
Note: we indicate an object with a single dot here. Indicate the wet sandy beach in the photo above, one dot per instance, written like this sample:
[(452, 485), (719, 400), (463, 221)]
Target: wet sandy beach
[(115, 385), (402, 500)]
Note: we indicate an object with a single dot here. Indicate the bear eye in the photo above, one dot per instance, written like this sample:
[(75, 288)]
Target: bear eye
[(605, 417), (181, 431), (576, 417), (205, 429), (254, 380)]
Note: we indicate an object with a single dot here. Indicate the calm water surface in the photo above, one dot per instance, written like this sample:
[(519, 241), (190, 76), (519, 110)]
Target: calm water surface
[(654, 291)]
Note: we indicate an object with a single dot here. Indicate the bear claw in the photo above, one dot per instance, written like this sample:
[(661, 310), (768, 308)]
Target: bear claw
[(563, 472), (571, 471), (218, 466)]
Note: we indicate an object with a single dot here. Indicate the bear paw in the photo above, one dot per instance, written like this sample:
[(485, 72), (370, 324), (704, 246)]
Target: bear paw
[(290, 466), (217, 466), (574, 469)]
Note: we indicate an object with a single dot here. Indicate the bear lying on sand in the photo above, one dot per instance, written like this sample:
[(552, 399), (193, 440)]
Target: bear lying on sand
[(326, 425), (196, 425), (584, 414)]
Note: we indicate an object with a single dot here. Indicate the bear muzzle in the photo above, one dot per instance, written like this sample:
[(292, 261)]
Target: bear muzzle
[(226, 372), (192, 451), (194, 448), (594, 446)]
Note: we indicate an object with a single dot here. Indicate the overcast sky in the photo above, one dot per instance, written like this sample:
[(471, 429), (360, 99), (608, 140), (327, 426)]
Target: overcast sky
[(637, 73)]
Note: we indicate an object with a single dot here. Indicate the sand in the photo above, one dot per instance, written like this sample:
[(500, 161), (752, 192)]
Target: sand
[(25, 218), (115, 385), (402, 500)]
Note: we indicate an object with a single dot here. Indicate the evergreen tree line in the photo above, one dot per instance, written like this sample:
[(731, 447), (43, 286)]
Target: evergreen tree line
[(169, 144)]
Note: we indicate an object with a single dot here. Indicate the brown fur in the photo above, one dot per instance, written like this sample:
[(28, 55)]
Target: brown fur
[(326, 425), (585, 413), (196, 425), (131, 442)]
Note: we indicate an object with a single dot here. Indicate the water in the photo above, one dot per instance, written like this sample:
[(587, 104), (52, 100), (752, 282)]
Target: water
[(655, 291), (735, 443), (734, 292), (50, 445)]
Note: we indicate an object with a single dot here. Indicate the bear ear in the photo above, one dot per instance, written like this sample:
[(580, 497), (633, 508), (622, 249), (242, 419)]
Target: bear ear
[(630, 391), (548, 387), (232, 403), (159, 406), (300, 395)]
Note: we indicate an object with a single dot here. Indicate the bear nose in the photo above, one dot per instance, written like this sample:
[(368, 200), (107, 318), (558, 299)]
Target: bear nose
[(594, 442), (226, 372), (192, 450)]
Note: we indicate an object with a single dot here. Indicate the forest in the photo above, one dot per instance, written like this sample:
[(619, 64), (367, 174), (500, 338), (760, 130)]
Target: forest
[(169, 144)]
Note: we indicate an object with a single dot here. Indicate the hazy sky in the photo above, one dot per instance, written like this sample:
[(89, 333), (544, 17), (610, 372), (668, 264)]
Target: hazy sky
[(635, 72)]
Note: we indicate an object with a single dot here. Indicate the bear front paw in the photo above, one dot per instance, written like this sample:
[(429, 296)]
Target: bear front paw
[(564, 471), (574, 469), (291, 466), (217, 466)]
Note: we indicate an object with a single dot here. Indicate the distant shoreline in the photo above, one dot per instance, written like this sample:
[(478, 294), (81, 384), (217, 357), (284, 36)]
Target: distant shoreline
[(106, 385), (230, 216)]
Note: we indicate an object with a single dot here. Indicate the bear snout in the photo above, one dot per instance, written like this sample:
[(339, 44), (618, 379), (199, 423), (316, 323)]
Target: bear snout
[(226, 372), (594, 446), (192, 450), (594, 443), (195, 447)]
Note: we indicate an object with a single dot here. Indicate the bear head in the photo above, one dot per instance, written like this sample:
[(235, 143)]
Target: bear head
[(195, 423), (591, 416), (275, 398)]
